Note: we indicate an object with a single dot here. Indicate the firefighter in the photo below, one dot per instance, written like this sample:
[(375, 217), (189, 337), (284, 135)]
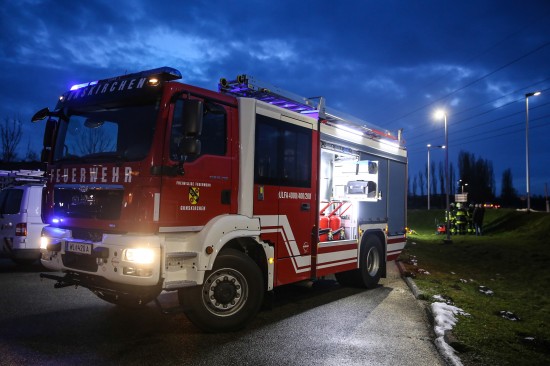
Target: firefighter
[(452, 218), (470, 216), (479, 212), (461, 219)]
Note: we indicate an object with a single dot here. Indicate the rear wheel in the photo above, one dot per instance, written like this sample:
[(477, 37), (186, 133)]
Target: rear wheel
[(370, 265), (371, 262), (231, 295)]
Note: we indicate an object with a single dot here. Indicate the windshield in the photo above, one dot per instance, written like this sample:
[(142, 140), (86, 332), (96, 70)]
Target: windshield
[(118, 133)]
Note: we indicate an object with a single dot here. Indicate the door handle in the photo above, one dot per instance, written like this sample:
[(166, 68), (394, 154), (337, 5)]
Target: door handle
[(305, 207)]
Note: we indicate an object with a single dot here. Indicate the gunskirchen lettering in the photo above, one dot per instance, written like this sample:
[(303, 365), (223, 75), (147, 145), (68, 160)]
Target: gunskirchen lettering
[(92, 175), (107, 88)]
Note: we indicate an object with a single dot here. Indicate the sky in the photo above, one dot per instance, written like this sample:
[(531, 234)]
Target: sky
[(390, 63)]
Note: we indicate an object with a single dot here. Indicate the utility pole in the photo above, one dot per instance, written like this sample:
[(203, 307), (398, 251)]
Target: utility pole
[(546, 191)]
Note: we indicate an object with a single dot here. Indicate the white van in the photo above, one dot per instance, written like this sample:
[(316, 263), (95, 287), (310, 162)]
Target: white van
[(20, 222)]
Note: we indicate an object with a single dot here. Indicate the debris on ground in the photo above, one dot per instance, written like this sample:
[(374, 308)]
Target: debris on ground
[(486, 290), (508, 315), (444, 298)]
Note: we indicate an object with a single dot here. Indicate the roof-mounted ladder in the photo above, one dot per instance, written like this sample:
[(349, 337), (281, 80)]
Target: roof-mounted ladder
[(250, 87)]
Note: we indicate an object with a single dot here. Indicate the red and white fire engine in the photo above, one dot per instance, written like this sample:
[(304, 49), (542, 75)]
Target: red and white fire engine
[(154, 185)]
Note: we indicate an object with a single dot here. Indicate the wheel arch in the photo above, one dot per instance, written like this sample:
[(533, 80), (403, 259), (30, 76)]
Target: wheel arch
[(255, 251)]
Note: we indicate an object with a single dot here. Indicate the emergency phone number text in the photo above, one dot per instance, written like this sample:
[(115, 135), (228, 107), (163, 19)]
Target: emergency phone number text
[(294, 195)]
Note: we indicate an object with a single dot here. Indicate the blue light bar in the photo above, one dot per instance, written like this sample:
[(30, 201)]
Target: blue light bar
[(83, 85), (162, 73)]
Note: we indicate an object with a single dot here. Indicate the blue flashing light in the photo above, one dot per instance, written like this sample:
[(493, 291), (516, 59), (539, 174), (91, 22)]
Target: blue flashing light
[(83, 85), (57, 220), (157, 75)]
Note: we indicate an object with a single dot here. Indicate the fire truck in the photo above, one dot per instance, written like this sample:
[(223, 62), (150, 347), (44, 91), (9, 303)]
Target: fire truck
[(156, 186)]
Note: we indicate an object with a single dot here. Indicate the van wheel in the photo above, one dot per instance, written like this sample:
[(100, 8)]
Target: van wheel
[(231, 295), (370, 266)]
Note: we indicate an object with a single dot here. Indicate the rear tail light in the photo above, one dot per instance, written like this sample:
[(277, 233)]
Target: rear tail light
[(21, 229)]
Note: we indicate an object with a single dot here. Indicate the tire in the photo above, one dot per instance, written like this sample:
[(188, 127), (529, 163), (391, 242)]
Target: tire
[(231, 295), (371, 261), (370, 266)]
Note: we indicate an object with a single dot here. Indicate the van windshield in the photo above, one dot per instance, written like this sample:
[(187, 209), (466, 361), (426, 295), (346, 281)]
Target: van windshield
[(10, 201)]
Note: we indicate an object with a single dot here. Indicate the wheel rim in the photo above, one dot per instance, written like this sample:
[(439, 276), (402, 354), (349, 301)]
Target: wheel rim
[(225, 292), (373, 261)]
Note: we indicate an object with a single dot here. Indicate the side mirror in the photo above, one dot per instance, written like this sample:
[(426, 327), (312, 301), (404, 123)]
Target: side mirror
[(49, 133), (192, 113), (46, 153), (190, 147), (40, 115)]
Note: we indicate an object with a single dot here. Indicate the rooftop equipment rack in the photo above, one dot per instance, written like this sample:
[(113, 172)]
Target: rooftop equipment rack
[(250, 87)]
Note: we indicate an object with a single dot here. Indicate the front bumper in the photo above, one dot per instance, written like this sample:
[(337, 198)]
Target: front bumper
[(108, 259)]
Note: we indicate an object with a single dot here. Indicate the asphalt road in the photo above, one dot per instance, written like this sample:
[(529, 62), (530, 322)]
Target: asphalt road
[(323, 324)]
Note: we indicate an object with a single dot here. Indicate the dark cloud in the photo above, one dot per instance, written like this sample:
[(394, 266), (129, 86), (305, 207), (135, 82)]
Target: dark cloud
[(391, 63)]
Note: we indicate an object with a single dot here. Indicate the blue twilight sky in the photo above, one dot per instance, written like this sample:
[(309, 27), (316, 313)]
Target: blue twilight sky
[(392, 63)]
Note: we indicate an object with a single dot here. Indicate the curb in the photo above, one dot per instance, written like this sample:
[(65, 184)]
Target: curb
[(419, 295)]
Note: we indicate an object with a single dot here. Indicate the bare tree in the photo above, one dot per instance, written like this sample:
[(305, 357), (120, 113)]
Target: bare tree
[(433, 178), (93, 141), (421, 182), (31, 154), (10, 137)]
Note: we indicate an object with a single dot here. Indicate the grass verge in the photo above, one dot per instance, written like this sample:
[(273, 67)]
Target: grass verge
[(506, 270)]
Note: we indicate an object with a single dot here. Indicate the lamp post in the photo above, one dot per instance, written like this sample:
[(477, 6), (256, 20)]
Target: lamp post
[(527, 146), (462, 185), (429, 146), (439, 114)]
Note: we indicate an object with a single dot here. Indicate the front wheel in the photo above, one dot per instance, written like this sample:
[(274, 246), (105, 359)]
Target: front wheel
[(230, 296)]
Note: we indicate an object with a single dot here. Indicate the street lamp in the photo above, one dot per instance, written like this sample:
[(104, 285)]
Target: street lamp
[(429, 146), (527, 146), (462, 185), (442, 114)]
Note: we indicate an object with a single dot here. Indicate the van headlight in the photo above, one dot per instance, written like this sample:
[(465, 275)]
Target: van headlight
[(139, 255)]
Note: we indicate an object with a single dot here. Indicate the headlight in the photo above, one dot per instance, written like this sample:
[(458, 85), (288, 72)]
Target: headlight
[(43, 242), (139, 255)]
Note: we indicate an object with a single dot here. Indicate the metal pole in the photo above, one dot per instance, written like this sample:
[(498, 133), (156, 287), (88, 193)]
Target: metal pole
[(546, 192), (448, 229), (527, 146), (429, 176), (527, 151)]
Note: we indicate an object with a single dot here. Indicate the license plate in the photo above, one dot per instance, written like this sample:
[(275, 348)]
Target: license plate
[(81, 248)]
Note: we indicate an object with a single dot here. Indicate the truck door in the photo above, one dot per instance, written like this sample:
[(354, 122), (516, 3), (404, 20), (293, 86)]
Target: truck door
[(199, 187), (286, 191)]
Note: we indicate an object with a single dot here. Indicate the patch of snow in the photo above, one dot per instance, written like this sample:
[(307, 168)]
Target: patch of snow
[(445, 320)]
